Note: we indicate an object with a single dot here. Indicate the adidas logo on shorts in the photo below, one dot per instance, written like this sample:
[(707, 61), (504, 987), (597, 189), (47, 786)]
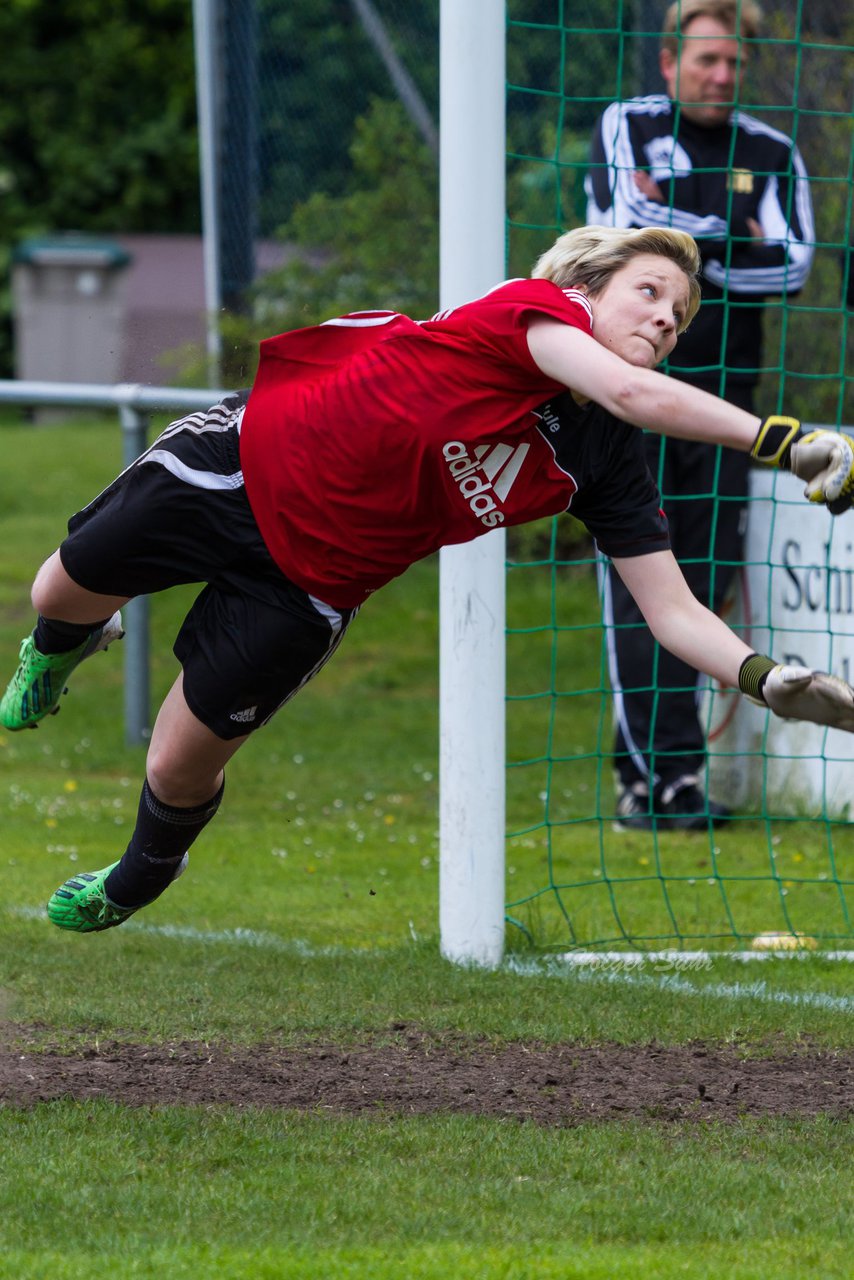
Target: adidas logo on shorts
[(244, 717)]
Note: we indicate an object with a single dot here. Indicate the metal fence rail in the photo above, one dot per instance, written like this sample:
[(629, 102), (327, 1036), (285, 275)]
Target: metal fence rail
[(134, 405)]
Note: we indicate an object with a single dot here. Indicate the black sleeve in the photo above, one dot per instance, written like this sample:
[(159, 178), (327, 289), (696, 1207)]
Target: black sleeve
[(621, 504)]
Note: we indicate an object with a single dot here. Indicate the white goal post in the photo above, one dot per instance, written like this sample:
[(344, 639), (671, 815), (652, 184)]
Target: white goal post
[(471, 596)]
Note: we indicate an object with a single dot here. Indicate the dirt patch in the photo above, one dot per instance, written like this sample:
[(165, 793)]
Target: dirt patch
[(421, 1075)]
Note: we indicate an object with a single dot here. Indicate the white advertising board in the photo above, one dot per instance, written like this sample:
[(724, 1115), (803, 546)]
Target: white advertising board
[(795, 602)]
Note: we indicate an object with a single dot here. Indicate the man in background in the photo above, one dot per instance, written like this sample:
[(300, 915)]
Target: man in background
[(693, 160)]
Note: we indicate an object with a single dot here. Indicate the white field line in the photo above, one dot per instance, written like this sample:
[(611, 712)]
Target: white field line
[(614, 967), (671, 982), (625, 960), (238, 937), (693, 959)]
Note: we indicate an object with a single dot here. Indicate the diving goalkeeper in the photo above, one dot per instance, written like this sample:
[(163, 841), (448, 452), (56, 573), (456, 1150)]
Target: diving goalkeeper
[(367, 443)]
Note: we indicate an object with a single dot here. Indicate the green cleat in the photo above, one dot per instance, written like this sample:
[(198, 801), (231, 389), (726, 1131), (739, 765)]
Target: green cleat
[(81, 904), (38, 684)]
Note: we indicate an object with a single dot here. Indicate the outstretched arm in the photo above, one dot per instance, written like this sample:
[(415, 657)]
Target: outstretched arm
[(677, 619), (640, 396), (824, 459), (701, 639)]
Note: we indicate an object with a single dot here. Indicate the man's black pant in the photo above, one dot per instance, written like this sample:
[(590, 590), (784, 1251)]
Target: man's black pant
[(659, 738)]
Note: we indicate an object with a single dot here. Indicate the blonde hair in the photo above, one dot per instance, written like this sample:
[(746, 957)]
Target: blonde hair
[(589, 256), (743, 16)]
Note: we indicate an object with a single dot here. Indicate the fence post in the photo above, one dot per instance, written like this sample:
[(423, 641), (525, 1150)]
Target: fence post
[(136, 614)]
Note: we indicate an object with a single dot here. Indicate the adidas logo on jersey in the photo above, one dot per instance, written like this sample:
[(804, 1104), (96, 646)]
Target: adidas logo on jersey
[(244, 717), (485, 476)]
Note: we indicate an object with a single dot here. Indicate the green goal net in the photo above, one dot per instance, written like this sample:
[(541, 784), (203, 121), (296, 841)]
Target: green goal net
[(785, 862)]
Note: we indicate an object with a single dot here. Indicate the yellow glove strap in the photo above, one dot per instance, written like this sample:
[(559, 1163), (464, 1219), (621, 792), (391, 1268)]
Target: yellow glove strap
[(774, 439)]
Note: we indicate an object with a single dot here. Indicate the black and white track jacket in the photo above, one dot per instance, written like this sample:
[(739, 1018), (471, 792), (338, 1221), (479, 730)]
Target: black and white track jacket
[(713, 180)]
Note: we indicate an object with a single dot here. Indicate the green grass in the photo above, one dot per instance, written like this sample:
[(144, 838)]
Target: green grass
[(310, 1195), (215, 990), (310, 912)]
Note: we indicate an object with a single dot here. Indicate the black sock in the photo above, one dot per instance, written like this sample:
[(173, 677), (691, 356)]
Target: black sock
[(162, 836), (53, 636)]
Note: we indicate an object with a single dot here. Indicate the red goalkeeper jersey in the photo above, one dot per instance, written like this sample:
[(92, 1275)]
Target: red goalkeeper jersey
[(372, 440)]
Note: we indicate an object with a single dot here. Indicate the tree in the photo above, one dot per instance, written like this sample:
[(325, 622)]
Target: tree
[(97, 117), (97, 122), (375, 245), (317, 75)]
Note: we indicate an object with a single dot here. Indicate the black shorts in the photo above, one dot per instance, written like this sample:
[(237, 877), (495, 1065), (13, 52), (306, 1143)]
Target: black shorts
[(180, 514)]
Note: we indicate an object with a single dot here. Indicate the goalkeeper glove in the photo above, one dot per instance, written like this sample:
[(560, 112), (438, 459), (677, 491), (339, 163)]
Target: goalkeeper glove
[(797, 693), (825, 459)]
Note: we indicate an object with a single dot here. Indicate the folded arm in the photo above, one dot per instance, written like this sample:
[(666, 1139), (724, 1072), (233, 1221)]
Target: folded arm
[(616, 199), (752, 245)]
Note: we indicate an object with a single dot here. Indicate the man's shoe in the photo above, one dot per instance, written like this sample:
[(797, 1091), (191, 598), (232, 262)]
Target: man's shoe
[(39, 682), (681, 806), (82, 905), (633, 809)]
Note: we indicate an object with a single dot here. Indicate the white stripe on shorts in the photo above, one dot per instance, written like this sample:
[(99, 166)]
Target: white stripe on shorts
[(190, 475), (332, 616), (217, 418), (338, 630)]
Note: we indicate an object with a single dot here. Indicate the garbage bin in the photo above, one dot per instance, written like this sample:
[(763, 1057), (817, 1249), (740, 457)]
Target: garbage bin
[(69, 308)]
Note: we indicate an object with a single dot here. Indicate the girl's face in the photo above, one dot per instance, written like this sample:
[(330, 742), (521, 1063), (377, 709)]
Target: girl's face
[(638, 312)]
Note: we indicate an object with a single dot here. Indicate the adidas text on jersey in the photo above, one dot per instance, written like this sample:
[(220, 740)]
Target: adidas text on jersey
[(485, 476)]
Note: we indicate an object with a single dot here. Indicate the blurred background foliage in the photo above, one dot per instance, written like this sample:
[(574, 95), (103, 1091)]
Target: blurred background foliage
[(98, 133), (97, 123)]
